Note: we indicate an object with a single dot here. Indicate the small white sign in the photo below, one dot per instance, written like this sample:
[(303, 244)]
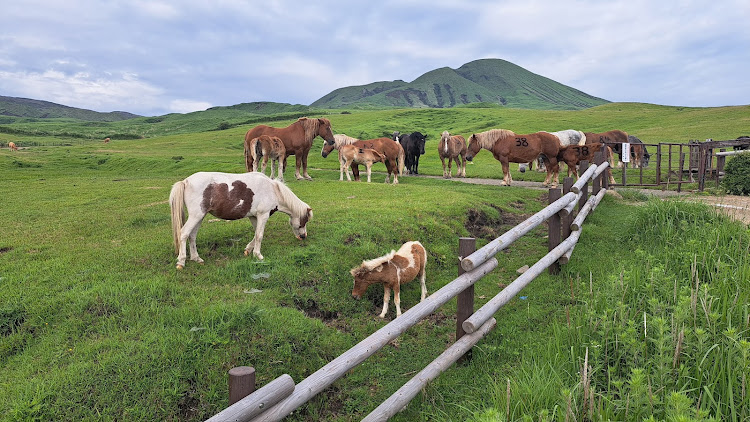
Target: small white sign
[(625, 153)]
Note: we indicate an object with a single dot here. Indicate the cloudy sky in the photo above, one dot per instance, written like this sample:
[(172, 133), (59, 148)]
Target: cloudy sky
[(153, 57)]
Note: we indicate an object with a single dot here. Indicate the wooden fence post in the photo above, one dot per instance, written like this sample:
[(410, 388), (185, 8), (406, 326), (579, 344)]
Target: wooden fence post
[(596, 184), (241, 383), (582, 167), (567, 220), (465, 299), (553, 223)]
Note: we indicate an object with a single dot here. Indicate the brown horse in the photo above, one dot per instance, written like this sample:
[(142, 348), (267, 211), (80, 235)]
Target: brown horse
[(574, 154), (297, 138), (266, 147), (508, 147), (611, 137), (106, 140), (394, 156), (392, 270), (12, 146), (349, 154), (453, 148)]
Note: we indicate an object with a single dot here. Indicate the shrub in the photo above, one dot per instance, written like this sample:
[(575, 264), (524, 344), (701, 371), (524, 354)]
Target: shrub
[(737, 175)]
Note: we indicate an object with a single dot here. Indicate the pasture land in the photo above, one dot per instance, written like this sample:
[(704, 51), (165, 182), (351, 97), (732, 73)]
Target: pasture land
[(96, 324)]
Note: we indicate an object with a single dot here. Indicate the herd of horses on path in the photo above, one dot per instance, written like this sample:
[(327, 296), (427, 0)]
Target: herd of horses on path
[(254, 195)]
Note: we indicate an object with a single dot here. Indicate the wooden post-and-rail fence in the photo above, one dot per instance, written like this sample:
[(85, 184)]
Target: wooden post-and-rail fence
[(281, 397)]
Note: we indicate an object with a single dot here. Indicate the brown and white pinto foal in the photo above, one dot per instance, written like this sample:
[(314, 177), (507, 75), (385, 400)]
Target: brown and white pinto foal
[(392, 270), (349, 154), (231, 197)]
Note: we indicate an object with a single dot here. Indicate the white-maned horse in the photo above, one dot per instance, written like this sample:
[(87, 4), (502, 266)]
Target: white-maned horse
[(566, 137), (231, 196)]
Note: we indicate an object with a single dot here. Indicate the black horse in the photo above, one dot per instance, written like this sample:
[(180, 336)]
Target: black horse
[(413, 145)]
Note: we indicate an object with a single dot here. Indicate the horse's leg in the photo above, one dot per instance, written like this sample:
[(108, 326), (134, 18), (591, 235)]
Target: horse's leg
[(386, 298), (506, 173), (442, 160), (280, 174), (369, 171), (355, 171), (297, 165), (393, 168), (397, 298), (422, 277), (304, 165), (463, 166), (265, 164), (188, 233), (346, 165), (259, 221)]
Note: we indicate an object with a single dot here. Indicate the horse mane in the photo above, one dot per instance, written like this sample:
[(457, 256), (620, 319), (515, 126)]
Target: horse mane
[(488, 138), (340, 139), (373, 263), (445, 136), (290, 200), (310, 127)]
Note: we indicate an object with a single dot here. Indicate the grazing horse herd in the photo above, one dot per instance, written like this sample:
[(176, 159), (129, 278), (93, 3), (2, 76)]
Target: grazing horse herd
[(256, 196)]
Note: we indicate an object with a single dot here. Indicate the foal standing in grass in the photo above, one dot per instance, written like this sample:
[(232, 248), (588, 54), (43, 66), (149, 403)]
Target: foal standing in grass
[(231, 197), (349, 154), (392, 270)]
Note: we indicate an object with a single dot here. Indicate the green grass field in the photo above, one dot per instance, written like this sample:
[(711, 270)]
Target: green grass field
[(96, 324)]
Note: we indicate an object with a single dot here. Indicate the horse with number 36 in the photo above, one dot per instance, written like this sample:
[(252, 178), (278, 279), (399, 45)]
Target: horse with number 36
[(509, 147), (231, 196)]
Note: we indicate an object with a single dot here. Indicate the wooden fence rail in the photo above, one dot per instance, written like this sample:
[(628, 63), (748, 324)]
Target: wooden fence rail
[(471, 326)]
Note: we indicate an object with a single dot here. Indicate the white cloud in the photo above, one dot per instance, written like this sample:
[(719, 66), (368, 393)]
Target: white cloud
[(187, 106)]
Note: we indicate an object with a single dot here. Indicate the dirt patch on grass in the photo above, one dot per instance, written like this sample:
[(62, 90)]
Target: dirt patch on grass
[(736, 207), (484, 226)]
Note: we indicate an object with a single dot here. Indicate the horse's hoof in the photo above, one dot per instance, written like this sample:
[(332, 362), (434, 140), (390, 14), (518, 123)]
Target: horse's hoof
[(179, 267), (247, 252)]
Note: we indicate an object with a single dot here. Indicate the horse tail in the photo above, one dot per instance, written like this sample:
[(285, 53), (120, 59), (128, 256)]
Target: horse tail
[(177, 209), (401, 160), (257, 151), (248, 156)]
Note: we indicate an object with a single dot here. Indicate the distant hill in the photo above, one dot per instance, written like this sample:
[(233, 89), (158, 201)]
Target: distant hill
[(37, 109), (480, 81)]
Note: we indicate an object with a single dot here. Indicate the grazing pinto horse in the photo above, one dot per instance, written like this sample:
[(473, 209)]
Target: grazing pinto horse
[(574, 154), (266, 147), (231, 197), (392, 270), (349, 154), (566, 137), (12, 146), (452, 148), (394, 156), (297, 138), (413, 145), (612, 137), (508, 147)]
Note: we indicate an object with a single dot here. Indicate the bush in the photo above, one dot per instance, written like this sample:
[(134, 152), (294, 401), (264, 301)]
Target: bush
[(737, 175)]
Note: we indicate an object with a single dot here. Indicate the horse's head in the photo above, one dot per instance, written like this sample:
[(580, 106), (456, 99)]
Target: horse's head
[(420, 140), (361, 281), (325, 131), (299, 223), (327, 148), (473, 148), (396, 136)]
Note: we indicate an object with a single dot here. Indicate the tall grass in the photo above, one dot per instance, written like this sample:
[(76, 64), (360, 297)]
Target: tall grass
[(664, 328)]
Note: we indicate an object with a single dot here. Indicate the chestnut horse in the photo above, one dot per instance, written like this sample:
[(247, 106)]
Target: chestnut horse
[(394, 156), (231, 197), (566, 137), (452, 148), (266, 147), (12, 146), (574, 154), (392, 270), (611, 137), (297, 138), (349, 154), (508, 147)]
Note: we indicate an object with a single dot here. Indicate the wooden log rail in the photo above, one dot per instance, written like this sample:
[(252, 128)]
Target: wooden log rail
[(281, 397)]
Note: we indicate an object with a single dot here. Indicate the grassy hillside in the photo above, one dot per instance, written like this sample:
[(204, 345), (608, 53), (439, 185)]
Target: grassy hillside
[(487, 80), (96, 324), (12, 108)]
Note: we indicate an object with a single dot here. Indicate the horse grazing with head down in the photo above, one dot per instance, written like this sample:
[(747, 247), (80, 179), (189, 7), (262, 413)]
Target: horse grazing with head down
[(12, 146), (231, 197), (349, 154), (297, 138), (394, 156), (266, 147), (453, 148), (572, 155), (392, 270), (615, 139), (508, 147)]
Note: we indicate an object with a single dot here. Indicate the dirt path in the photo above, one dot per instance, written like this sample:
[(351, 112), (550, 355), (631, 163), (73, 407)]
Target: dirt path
[(737, 207)]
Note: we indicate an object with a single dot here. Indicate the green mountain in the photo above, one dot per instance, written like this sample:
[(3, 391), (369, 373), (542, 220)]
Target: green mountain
[(37, 109), (481, 81)]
